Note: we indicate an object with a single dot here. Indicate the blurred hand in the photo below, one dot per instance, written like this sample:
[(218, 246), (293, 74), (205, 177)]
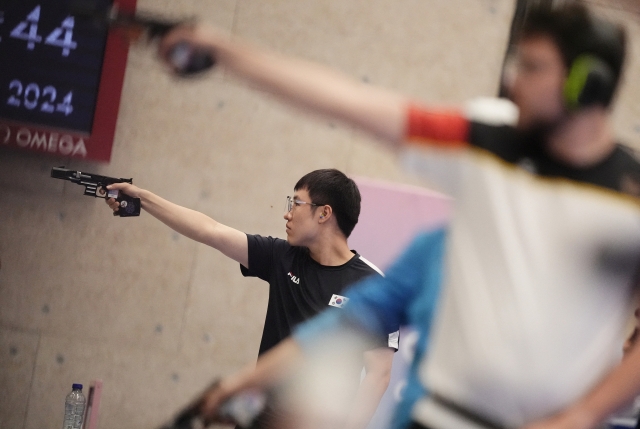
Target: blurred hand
[(126, 188), (211, 402), (191, 38)]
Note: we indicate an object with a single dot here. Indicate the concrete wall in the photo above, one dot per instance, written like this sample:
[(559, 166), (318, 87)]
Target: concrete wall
[(84, 295)]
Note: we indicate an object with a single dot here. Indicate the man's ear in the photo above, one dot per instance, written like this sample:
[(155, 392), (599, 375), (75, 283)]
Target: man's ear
[(326, 213)]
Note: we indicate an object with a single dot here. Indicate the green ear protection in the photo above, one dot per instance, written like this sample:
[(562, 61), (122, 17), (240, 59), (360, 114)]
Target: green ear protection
[(590, 81)]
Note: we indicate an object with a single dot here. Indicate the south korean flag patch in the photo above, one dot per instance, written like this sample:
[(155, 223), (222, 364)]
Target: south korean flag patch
[(338, 301)]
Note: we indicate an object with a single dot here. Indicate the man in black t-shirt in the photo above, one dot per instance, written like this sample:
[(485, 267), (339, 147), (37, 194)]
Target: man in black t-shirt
[(307, 273), (300, 288)]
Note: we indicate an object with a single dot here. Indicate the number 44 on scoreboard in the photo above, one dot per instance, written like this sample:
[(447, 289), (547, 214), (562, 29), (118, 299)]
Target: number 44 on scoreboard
[(61, 36)]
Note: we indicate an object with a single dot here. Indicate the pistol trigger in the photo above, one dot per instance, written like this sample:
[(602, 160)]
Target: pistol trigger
[(101, 191)]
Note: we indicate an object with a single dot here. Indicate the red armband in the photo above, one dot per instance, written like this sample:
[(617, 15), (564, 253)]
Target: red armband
[(449, 129)]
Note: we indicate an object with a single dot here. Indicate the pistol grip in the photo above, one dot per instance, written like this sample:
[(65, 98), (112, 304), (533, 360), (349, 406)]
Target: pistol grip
[(129, 206), (189, 61)]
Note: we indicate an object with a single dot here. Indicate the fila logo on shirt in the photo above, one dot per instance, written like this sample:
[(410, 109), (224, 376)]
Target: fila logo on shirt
[(338, 301), (294, 279)]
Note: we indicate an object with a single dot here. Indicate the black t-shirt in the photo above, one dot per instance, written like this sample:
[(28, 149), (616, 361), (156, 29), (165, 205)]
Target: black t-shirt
[(620, 171), (299, 287)]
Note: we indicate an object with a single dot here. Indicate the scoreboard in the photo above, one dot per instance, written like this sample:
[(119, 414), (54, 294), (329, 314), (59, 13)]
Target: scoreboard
[(60, 77)]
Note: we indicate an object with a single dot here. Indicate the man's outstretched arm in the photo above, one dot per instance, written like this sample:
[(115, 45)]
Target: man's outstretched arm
[(282, 360), (190, 223), (301, 83)]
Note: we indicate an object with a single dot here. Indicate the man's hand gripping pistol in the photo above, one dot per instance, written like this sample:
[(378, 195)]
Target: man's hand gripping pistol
[(186, 60), (96, 186)]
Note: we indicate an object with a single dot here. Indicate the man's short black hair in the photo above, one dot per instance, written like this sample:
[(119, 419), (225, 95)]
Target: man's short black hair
[(332, 187), (577, 32)]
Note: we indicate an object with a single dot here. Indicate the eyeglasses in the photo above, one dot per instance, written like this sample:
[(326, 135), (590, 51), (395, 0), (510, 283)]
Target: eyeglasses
[(291, 202)]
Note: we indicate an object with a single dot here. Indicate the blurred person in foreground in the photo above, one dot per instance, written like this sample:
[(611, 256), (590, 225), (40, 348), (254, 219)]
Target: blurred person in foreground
[(306, 273), (542, 253)]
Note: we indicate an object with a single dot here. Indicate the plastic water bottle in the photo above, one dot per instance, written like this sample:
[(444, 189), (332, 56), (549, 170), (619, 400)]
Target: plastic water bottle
[(74, 408)]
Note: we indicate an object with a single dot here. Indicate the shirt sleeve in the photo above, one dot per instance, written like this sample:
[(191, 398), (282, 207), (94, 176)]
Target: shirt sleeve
[(378, 305), (481, 124), (463, 127), (263, 252)]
